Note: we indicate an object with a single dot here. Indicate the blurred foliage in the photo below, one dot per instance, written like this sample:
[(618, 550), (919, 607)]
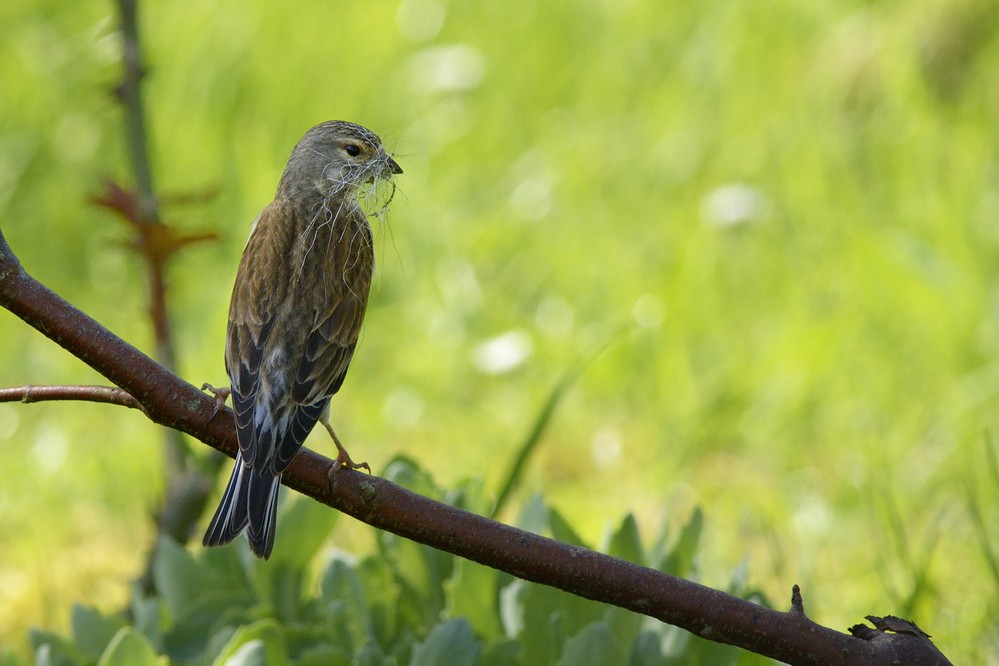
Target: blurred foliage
[(403, 604), (793, 204)]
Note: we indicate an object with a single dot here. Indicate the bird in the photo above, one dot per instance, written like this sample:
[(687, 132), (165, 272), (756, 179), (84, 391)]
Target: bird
[(299, 298)]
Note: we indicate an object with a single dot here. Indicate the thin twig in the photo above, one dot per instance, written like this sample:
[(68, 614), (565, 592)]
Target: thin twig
[(111, 395), (130, 93)]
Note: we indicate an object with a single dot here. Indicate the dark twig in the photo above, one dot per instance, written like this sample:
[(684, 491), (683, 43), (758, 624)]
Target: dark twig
[(790, 637), (130, 94)]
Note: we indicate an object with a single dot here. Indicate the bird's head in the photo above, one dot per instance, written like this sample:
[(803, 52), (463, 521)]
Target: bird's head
[(337, 157)]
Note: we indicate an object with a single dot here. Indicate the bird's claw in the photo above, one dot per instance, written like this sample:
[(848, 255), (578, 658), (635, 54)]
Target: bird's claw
[(221, 395), (343, 461)]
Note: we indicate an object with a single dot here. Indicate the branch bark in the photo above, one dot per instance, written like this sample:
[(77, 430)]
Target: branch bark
[(168, 400)]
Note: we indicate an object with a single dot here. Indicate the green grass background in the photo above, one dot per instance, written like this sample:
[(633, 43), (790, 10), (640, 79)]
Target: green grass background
[(820, 376)]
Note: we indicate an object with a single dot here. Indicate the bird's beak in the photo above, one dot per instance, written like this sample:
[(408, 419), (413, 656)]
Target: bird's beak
[(392, 165)]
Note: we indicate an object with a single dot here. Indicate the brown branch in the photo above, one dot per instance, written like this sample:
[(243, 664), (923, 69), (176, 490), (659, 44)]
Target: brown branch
[(788, 636), (106, 394)]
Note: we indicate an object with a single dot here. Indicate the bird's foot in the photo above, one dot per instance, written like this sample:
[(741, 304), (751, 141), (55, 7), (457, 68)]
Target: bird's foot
[(343, 461), (221, 395)]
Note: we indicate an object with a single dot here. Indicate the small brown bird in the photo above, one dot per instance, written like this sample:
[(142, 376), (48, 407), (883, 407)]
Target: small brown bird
[(296, 311)]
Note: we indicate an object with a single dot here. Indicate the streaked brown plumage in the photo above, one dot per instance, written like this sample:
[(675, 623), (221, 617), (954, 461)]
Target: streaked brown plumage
[(295, 315)]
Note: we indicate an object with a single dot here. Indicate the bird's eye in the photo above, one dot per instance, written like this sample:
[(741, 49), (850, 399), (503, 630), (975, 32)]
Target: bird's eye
[(352, 149)]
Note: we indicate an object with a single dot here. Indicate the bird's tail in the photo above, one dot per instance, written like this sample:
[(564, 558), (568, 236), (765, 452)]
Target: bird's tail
[(250, 502)]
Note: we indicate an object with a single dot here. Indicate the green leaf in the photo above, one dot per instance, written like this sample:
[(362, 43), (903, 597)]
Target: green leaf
[(675, 644), (562, 531), (53, 650), (646, 650), (471, 593), (191, 635), (303, 527), (512, 613), (470, 495), (369, 654), (259, 643), (625, 624), (682, 648), (595, 645), (625, 542), (287, 589), (381, 592), (147, 618), (343, 596), (325, 655), (180, 580), (680, 560), (542, 634), (450, 643), (407, 473), (401, 649), (544, 617), (533, 516), (228, 568), (92, 632), (251, 653), (130, 648), (701, 652), (503, 652), (323, 633), (283, 580), (420, 572)]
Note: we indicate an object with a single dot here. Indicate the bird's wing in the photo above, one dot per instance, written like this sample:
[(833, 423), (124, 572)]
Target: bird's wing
[(328, 351), (276, 412), (257, 298), (244, 355), (269, 426)]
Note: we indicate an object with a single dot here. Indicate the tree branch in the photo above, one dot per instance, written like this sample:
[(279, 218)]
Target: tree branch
[(788, 636)]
